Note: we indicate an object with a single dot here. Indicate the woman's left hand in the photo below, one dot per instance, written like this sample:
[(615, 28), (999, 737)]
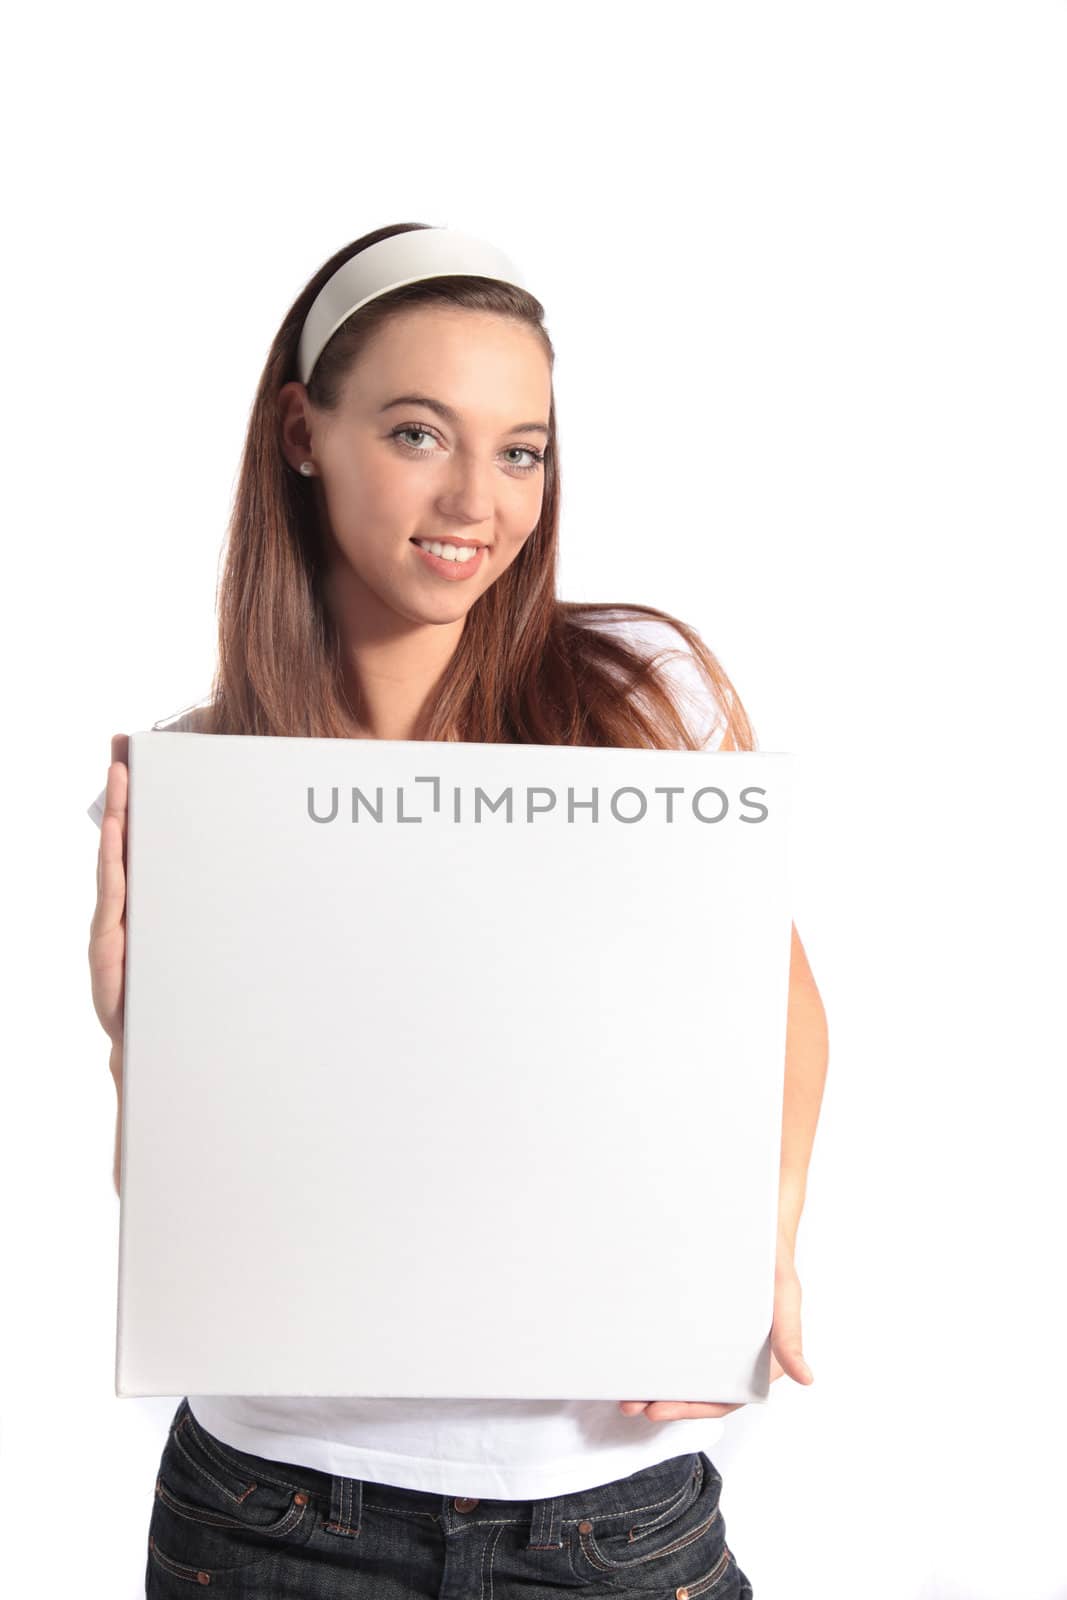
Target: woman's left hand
[(787, 1357)]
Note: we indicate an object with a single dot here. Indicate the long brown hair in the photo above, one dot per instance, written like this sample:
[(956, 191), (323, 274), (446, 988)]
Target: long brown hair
[(529, 668)]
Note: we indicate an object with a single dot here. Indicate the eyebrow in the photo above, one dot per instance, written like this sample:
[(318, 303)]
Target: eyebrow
[(451, 415)]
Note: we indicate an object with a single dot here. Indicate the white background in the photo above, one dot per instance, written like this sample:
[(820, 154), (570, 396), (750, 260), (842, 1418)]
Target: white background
[(803, 264)]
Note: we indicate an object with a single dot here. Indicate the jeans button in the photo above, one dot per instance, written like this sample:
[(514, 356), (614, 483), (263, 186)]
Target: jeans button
[(463, 1503)]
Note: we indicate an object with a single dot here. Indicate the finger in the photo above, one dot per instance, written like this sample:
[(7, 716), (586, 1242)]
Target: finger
[(118, 789), (111, 880), (670, 1410), (110, 871), (120, 745)]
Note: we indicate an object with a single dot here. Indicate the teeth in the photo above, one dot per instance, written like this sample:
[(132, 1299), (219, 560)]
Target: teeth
[(450, 552)]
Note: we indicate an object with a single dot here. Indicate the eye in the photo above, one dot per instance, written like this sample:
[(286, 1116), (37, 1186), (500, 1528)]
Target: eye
[(426, 433), (412, 427), (529, 450)]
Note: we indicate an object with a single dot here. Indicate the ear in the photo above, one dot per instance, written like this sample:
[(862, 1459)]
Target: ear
[(293, 432)]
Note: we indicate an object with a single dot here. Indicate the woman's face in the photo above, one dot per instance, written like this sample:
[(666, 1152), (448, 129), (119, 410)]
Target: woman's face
[(394, 471)]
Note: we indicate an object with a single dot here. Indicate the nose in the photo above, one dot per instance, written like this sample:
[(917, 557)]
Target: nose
[(469, 492)]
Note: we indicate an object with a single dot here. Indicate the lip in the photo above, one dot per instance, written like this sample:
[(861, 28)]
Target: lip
[(454, 571)]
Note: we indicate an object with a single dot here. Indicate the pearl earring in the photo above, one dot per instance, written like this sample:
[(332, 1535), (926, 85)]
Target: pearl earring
[(306, 468)]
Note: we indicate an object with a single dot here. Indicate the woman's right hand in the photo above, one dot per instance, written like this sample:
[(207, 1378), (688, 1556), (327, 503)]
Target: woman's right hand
[(107, 933)]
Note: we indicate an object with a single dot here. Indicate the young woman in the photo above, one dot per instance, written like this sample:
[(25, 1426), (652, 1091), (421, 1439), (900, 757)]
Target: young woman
[(391, 574)]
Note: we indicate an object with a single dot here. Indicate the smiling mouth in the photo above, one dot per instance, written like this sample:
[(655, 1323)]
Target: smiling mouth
[(452, 551), (456, 544), (452, 568)]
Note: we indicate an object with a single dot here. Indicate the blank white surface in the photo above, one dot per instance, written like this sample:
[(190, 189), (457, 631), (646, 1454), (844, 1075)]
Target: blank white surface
[(345, 1040)]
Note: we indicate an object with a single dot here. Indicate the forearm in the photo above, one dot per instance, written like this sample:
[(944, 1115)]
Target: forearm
[(116, 1073), (806, 1058)]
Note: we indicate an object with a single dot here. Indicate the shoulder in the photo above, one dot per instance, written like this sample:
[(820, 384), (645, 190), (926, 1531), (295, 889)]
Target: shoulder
[(657, 639), (196, 719), (649, 636)]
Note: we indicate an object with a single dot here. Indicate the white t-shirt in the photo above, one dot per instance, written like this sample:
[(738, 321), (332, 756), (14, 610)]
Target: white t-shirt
[(499, 1449)]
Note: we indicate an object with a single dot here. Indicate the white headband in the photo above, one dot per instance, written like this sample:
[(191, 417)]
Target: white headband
[(402, 258)]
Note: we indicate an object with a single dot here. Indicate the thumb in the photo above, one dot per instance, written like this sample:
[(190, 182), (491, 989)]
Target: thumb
[(790, 1357), (786, 1343), (793, 1363)]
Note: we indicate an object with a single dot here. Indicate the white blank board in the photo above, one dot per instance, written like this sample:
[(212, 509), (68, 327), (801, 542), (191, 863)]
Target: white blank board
[(441, 1082)]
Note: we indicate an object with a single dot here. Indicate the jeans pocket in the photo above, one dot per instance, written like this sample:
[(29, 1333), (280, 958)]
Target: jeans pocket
[(667, 1539), (218, 1510)]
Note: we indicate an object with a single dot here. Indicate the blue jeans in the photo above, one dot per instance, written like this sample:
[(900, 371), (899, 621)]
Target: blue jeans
[(242, 1524)]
